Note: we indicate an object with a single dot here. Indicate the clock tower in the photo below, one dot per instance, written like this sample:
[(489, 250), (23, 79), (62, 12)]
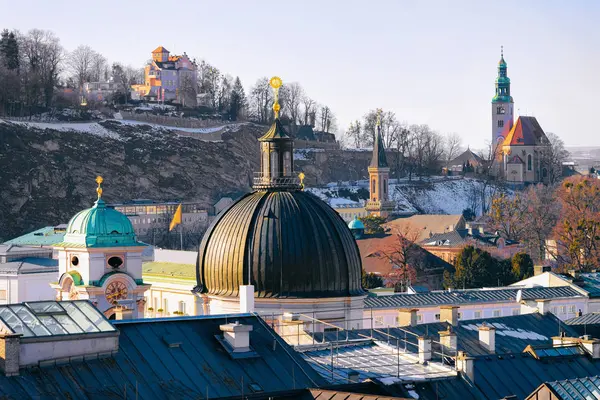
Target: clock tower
[(502, 104), (100, 260)]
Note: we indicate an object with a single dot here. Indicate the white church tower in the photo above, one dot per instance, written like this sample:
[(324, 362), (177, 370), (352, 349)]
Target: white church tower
[(502, 104), (100, 260)]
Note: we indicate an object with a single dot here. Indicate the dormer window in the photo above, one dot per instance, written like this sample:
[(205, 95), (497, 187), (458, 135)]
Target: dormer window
[(115, 262)]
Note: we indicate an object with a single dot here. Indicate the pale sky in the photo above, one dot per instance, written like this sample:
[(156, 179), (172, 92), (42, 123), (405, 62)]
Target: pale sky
[(430, 62)]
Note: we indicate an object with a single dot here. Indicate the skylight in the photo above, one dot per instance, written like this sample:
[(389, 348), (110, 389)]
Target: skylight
[(48, 318)]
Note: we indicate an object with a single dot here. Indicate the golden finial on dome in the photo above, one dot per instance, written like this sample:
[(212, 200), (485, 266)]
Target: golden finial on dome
[(99, 181), (301, 176), (378, 117), (276, 83)]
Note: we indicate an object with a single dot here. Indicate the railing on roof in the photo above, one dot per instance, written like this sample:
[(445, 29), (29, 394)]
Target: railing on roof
[(267, 181)]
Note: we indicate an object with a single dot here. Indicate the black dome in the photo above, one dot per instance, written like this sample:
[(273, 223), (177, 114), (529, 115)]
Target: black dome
[(319, 256)]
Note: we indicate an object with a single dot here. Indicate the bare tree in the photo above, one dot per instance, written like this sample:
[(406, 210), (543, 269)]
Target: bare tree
[(42, 54), (79, 62), (99, 68), (309, 106), (452, 147), (491, 174), (354, 132), (261, 101), (327, 122), (292, 99), (552, 159), (405, 257), (208, 81)]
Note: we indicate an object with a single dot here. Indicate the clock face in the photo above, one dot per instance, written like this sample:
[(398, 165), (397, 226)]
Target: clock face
[(116, 291)]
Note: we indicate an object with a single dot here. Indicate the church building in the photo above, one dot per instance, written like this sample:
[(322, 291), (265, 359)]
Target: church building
[(100, 260), (280, 249), (520, 146), (379, 203)]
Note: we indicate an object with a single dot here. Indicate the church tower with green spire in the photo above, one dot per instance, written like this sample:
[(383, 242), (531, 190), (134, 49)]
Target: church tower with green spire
[(502, 103)]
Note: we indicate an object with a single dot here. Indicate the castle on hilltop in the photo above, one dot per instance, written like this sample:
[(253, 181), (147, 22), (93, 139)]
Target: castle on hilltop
[(168, 78)]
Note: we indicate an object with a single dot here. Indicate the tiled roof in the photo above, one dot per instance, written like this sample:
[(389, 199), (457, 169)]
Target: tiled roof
[(147, 366), (575, 389), (525, 132), (513, 333), (160, 49), (471, 296), (469, 156), (427, 224)]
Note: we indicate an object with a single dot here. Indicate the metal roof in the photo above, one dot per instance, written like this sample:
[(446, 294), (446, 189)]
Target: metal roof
[(29, 265), (585, 319), (513, 333), (372, 360), (591, 283), (194, 366), (53, 318), (576, 389), (471, 296), (521, 374), (46, 236)]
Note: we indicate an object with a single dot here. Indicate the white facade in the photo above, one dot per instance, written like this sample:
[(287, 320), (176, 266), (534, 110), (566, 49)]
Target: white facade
[(19, 288), (562, 308)]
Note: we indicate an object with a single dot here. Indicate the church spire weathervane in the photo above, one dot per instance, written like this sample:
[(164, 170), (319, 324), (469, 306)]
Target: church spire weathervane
[(276, 83), (501, 51)]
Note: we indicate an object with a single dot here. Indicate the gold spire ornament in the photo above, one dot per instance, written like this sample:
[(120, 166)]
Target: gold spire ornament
[(301, 176), (276, 83), (99, 181), (378, 117)]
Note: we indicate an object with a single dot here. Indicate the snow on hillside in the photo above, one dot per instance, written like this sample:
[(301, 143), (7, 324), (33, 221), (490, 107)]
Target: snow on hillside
[(211, 129), (435, 195), (93, 128)]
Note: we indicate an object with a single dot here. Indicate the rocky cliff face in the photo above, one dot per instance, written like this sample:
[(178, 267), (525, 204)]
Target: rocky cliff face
[(47, 171)]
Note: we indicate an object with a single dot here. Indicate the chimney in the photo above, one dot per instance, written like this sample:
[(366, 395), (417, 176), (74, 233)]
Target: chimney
[(10, 349), (237, 336), (122, 313), (465, 365), (592, 346), (487, 337), (407, 317), (448, 340), (574, 273), (246, 299), (353, 376), (449, 314), (543, 306), (424, 343)]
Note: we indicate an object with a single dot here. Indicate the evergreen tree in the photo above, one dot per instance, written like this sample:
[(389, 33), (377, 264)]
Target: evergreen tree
[(475, 268), (522, 266), (371, 280), (372, 224), (9, 50), (237, 102)]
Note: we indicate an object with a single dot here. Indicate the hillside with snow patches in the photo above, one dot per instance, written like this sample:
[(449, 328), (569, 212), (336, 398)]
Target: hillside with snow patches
[(435, 195)]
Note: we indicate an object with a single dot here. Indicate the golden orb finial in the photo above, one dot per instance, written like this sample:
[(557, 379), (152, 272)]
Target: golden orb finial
[(276, 83), (301, 176), (99, 181)]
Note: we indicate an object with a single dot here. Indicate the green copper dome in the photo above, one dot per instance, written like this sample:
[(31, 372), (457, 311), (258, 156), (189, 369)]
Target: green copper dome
[(100, 226), (356, 224)]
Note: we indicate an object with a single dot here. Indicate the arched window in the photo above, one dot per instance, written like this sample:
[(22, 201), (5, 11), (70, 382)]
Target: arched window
[(529, 159), (287, 163), (274, 166)]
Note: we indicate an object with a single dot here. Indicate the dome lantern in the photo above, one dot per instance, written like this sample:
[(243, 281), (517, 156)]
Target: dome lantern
[(277, 153)]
